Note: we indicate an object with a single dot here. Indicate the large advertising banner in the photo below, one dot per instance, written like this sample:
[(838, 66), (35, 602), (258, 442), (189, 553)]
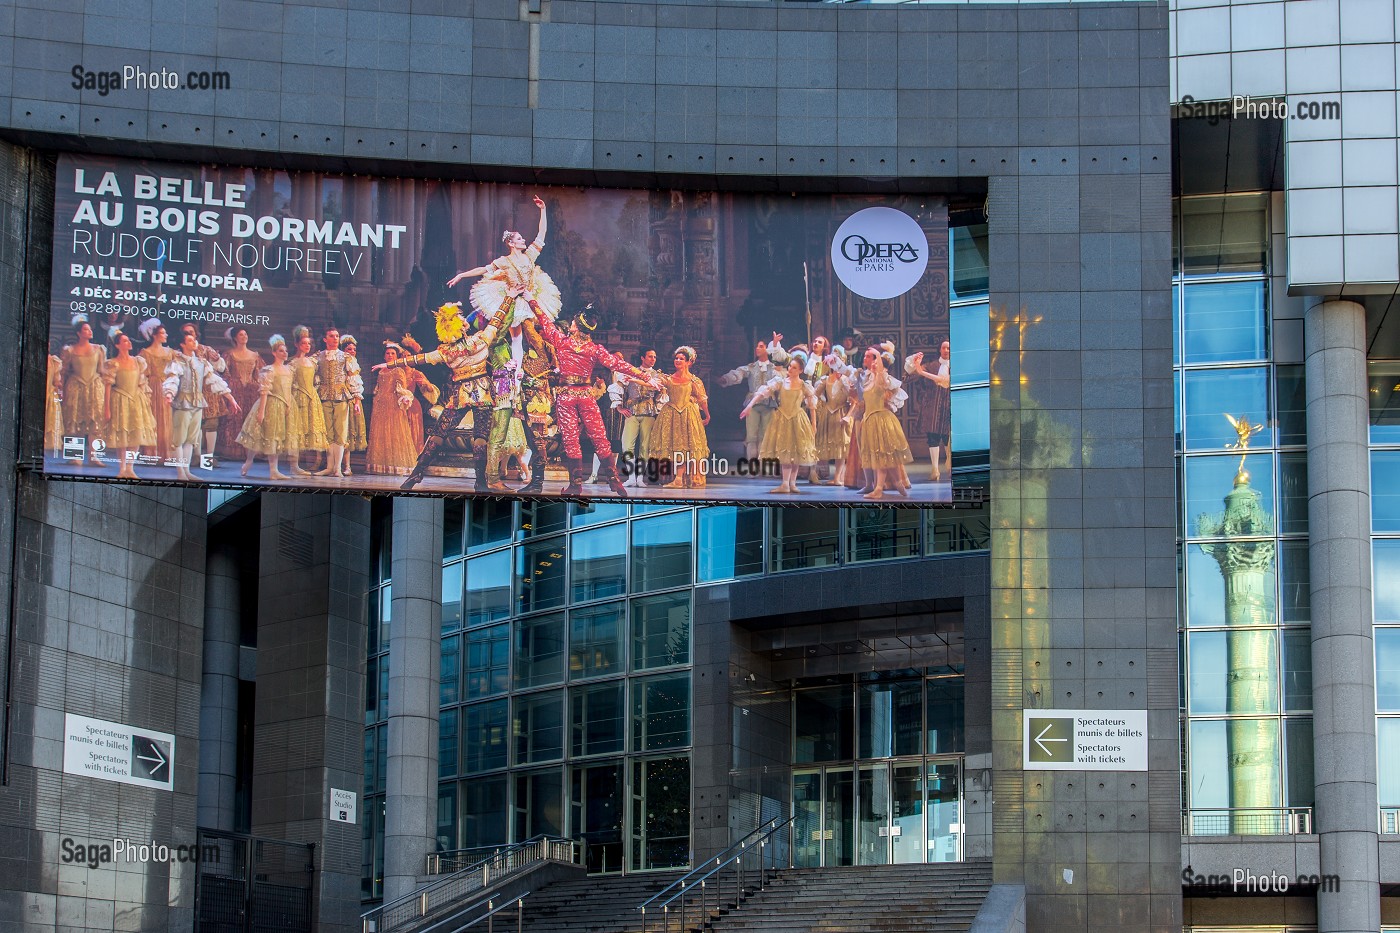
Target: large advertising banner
[(243, 326)]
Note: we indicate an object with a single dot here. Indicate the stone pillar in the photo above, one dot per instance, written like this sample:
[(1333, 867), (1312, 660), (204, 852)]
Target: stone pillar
[(309, 730), (1339, 558), (410, 816), (218, 695)]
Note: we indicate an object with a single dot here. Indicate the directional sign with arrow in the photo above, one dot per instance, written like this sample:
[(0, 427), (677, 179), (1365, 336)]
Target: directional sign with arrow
[(148, 759), (114, 751), (1051, 739)]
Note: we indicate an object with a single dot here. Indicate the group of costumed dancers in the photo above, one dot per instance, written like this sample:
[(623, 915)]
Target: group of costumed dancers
[(517, 373)]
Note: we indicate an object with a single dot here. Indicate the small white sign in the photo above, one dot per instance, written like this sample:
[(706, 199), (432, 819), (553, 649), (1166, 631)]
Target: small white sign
[(342, 805), (111, 751), (1084, 740), (879, 252)]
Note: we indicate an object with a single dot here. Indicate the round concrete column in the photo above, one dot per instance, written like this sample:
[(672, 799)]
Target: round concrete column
[(1339, 559), (410, 805)]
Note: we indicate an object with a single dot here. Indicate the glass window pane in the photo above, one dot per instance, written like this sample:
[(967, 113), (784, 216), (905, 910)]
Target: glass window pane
[(447, 743), (539, 575), (1388, 669), (804, 538), (372, 690), (945, 715), (891, 719), (968, 344), (1383, 378), (542, 518), (661, 712), (595, 640), (539, 804), (1252, 602), (1208, 781), (660, 813), (1212, 394), (539, 727), (1224, 322), (1292, 405), (370, 758), (1297, 670), (596, 513), (450, 671), (1296, 604), (488, 661), (1299, 783), (967, 254), (1224, 234), (824, 727), (539, 651), (488, 588), (1208, 665), (1293, 493), (453, 517), (661, 552), (599, 560), (452, 597), (491, 524), (447, 817), (1176, 324), (484, 812), (660, 631), (386, 613), (597, 798), (1385, 579), (971, 431), (1388, 761), (956, 530), (484, 737), (372, 618), (731, 542), (882, 534), (596, 717), (1210, 482), (1385, 491)]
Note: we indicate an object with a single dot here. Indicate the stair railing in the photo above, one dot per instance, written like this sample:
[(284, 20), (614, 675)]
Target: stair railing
[(473, 879), (709, 886)]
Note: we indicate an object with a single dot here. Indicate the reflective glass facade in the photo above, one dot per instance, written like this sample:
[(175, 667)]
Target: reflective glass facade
[(1246, 679)]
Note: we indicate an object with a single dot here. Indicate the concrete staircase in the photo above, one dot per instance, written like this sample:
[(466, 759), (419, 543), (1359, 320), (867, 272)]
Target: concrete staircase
[(938, 898), (596, 904)]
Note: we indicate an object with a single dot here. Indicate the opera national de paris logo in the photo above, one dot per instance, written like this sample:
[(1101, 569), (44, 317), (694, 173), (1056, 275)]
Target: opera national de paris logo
[(879, 252)]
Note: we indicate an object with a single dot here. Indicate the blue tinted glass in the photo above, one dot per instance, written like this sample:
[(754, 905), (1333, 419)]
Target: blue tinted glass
[(1176, 406), (1383, 379), (968, 343), (1388, 669), (1385, 579), (967, 255), (1176, 324), (1212, 394), (1385, 490), (1388, 761), (1224, 322), (731, 542), (1209, 480), (1208, 665), (1209, 777), (970, 420), (600, 562), (1205, 585), (595, 513)]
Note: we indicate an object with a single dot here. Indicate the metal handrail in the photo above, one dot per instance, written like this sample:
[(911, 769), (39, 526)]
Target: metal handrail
[(1246, 821), (681, 881), (518, 902), (705, 877), (466, 857), (477, 877)]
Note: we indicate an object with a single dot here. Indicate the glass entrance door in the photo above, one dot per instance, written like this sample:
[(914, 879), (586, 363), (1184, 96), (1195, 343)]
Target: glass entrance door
[(878, 813)]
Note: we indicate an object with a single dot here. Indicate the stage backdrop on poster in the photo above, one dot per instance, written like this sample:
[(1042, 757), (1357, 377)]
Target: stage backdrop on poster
[(143, 249)]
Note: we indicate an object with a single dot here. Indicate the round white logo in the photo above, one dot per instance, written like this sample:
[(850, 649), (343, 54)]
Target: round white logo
[(879, 252)]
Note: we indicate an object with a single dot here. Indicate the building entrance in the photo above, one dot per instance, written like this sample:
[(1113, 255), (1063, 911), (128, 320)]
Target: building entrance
[(878, 813)]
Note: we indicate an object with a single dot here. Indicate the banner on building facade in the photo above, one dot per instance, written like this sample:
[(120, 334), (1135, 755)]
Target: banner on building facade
[(256, 327)]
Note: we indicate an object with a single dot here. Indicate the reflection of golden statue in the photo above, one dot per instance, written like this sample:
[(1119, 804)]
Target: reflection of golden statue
[(1244, 430)]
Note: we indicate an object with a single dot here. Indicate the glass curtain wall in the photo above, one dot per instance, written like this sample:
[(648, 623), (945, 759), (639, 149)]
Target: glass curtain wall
[(1383, 376), (1242, 480), (376, 704)]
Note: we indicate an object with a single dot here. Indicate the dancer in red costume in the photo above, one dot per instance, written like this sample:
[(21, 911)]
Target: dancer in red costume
[(575, 404)]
